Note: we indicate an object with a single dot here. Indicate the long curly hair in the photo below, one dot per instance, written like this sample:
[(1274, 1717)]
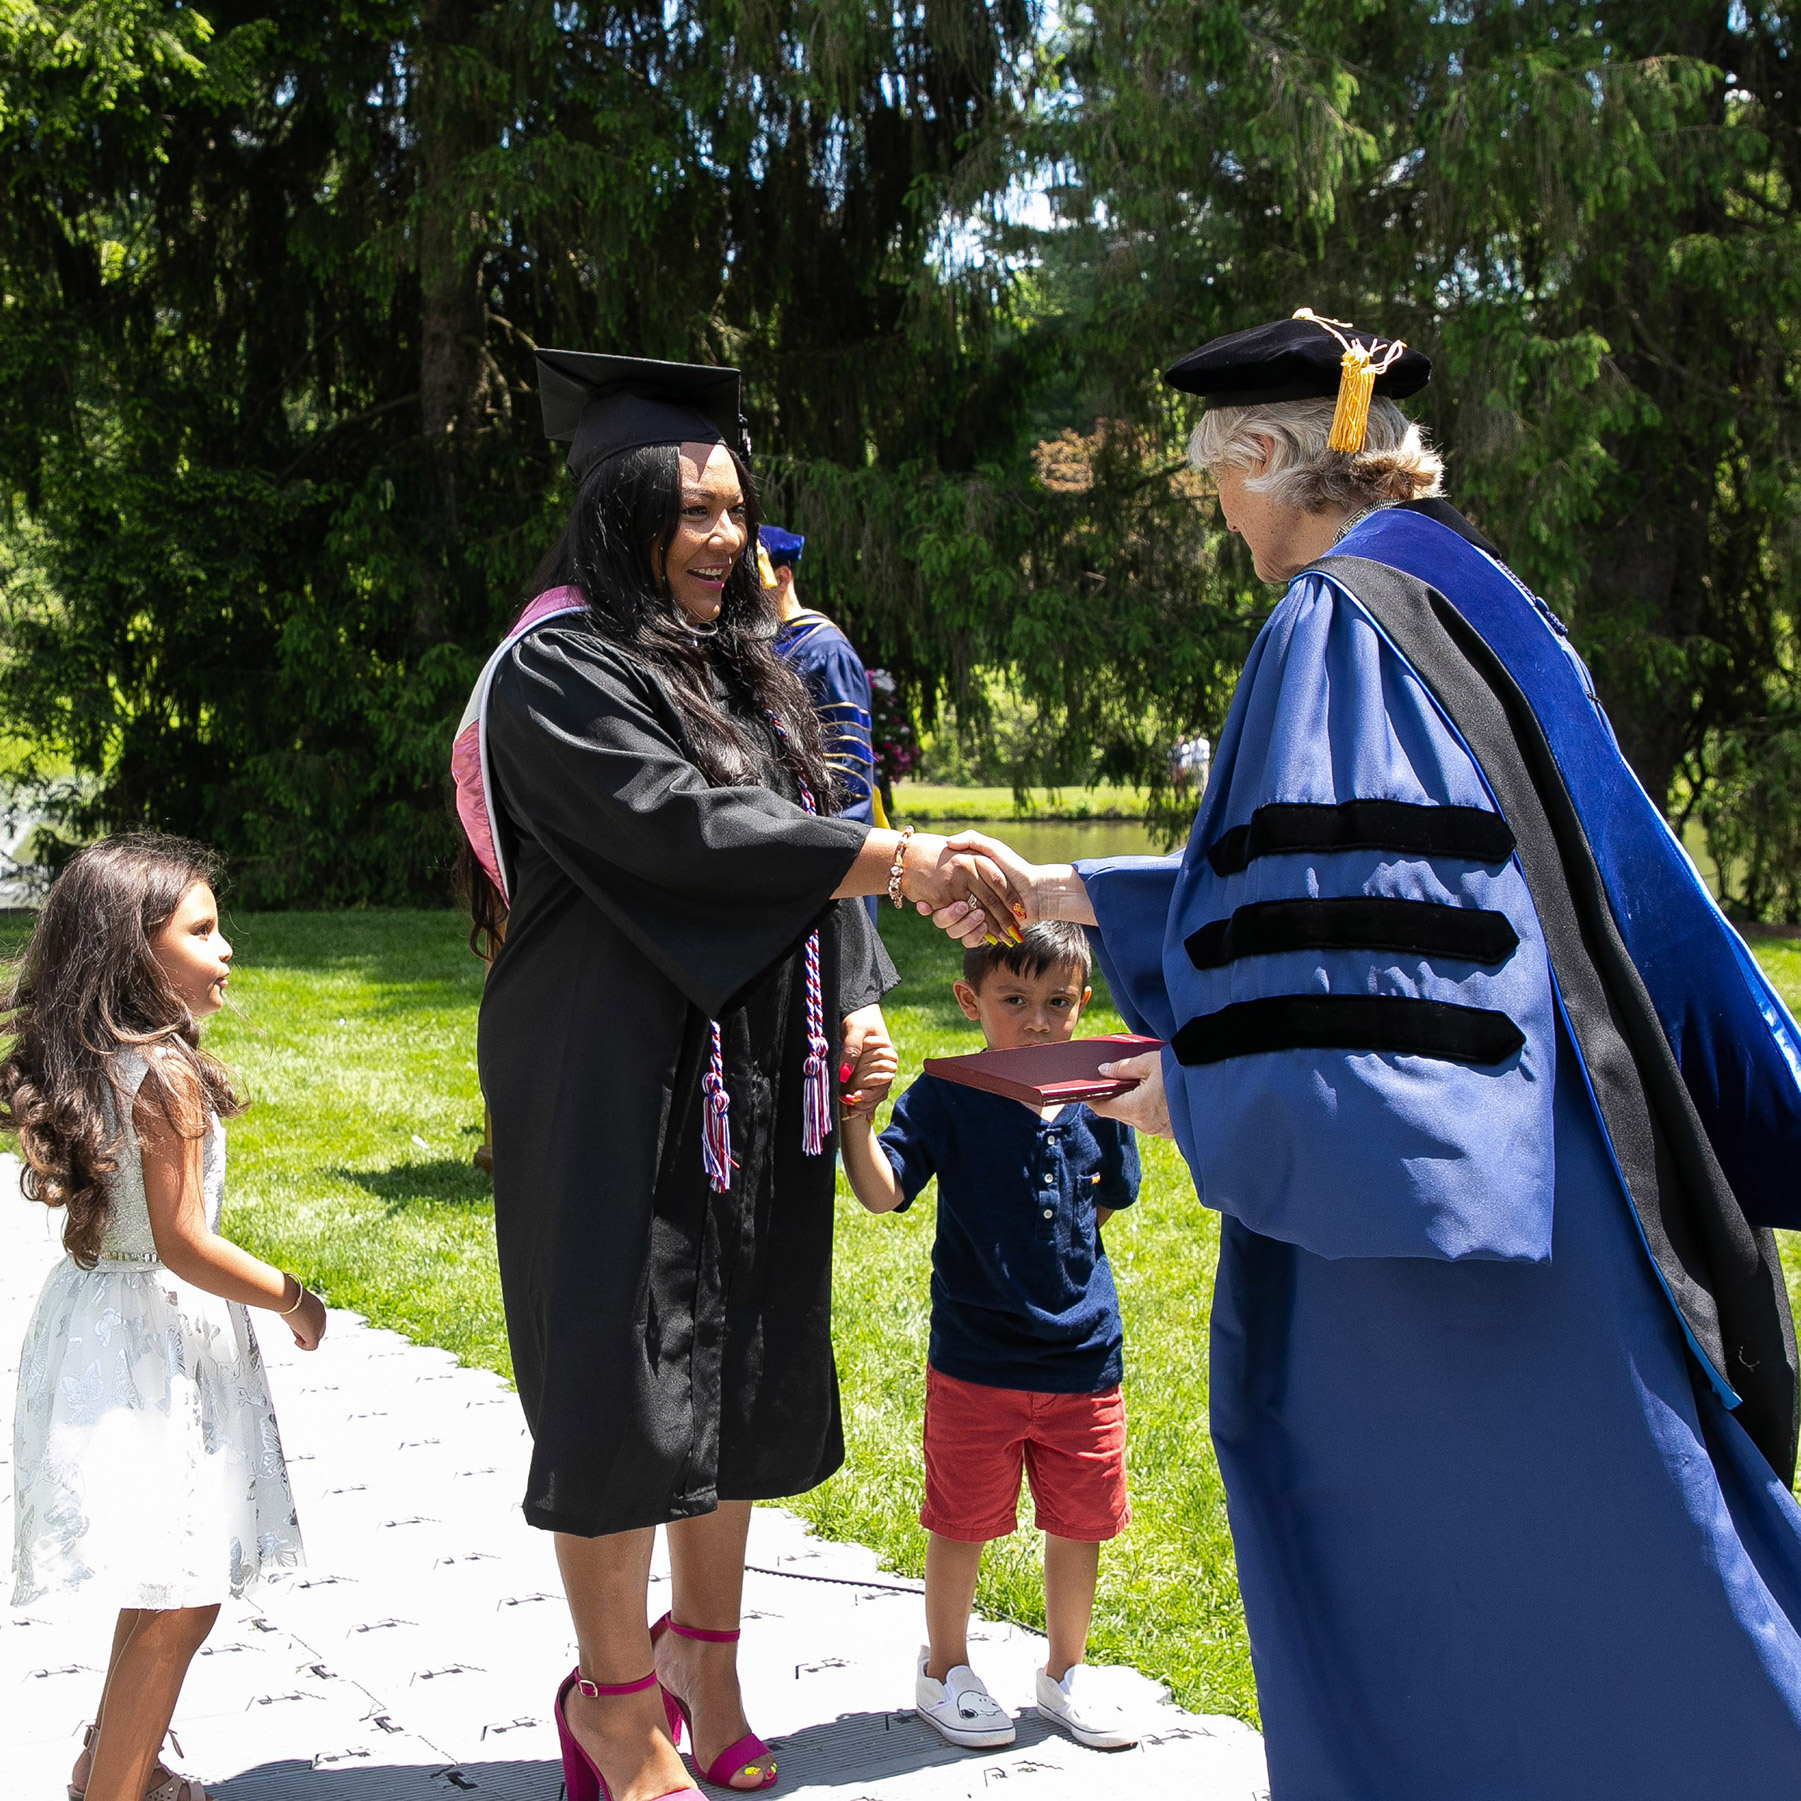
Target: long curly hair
[(626, 515), (86, 987)]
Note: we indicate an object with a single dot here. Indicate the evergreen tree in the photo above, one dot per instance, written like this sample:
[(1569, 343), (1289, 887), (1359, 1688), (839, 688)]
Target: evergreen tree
[(1585, 213), (273, 279)]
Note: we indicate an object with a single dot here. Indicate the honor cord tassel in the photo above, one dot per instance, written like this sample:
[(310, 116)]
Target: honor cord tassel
[(716, 1127), (816, 1094)]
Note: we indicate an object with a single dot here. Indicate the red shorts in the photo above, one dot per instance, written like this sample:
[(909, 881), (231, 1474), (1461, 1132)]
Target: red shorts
[(1071, 1447)]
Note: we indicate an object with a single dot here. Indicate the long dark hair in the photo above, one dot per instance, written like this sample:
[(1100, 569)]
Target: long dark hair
[(626, 515), (86, 987)]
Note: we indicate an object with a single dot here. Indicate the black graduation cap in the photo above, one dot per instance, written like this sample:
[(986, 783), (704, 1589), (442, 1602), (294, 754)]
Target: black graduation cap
[(600, 405), (1303, 358)]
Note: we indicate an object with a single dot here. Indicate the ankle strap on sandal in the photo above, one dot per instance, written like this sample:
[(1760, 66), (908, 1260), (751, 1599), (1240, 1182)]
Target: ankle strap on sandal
[(594, 1690), (701, 1633)]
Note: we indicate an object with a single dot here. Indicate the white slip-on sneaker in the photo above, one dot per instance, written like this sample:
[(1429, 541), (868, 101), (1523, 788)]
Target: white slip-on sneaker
[(959, 1708), (1088, 1717)]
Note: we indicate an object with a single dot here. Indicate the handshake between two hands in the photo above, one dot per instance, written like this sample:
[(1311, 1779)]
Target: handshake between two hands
[(979, 891)]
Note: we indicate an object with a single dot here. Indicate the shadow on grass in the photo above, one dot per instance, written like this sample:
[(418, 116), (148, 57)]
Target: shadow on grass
[(445, 1180)]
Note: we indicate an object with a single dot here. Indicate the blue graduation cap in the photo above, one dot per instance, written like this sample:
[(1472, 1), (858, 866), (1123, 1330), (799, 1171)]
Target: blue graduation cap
[(784, 548)]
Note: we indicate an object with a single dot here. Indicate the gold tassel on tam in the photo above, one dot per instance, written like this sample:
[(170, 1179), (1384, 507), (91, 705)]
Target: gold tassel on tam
[(1351, 417), (1357, 374)]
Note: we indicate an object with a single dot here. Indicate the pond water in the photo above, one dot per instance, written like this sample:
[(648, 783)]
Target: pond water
[(1063, 840)]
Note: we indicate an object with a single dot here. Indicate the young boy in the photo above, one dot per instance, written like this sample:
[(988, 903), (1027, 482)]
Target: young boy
[(1024, 1365)]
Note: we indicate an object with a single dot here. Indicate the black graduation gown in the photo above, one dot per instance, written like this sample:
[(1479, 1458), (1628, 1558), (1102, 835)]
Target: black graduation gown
[(672, 1346)]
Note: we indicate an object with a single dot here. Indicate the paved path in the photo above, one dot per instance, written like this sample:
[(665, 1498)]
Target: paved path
[(418, 1653)]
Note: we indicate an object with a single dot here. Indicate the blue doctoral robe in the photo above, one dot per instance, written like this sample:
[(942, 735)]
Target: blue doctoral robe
[(820, 654), (1500, 1531)]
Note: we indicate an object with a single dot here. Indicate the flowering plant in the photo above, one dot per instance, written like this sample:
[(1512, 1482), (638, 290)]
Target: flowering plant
[(891, 733)]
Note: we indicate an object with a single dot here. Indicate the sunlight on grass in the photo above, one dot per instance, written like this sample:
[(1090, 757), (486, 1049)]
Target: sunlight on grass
[(354, 1036)]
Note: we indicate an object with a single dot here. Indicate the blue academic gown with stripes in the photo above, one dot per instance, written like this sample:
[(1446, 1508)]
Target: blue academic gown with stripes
[(1500, 1532), (820, 654)]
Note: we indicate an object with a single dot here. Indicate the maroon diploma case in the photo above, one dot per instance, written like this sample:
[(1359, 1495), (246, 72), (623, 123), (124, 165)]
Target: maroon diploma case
[(1044, 1075)]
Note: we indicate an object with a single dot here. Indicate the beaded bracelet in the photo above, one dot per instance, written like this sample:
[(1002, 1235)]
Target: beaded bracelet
[(894, 868)]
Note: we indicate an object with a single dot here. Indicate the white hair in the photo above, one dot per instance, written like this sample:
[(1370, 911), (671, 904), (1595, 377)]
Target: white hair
[(1397, 461)]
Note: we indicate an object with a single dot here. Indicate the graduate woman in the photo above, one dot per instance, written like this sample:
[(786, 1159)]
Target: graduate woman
[(1498, 1111), (663, 1036)]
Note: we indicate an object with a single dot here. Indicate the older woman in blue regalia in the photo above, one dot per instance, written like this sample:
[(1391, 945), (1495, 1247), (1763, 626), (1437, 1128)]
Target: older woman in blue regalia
[(1498, 1112)]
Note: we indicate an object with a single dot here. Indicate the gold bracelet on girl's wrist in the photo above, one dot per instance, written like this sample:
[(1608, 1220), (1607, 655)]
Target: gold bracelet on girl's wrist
[(285, 1311), (894, 868)]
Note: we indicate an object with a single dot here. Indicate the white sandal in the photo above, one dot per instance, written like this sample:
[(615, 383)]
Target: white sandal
[(174, 1787)]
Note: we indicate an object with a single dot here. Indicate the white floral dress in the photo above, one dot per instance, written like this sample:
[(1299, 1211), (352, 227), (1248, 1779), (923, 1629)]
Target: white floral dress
[(147, 1463)]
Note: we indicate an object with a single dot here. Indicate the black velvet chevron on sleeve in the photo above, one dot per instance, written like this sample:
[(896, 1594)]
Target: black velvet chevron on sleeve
[(1404, 827), (1356, 922), (1349, 1022), (1724, 1275)]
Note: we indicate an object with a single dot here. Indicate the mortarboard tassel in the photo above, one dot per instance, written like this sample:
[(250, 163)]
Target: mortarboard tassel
[(1357, 372), (1351, 416)]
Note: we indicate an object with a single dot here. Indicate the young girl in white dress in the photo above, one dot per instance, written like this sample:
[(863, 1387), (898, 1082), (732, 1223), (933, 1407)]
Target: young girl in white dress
[(147, 1463)]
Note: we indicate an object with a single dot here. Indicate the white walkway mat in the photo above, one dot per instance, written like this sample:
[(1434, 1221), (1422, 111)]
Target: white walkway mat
[(418, 1653)]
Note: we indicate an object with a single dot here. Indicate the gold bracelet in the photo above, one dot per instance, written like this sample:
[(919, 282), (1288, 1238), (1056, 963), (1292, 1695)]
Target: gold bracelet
[(894, 868), (285, 1311)]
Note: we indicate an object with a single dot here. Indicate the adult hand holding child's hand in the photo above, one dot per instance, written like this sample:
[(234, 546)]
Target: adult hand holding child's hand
[(868, 1062)]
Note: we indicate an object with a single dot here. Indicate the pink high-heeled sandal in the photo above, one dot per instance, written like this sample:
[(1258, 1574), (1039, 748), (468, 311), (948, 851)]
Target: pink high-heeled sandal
[(582, 1780), (742, 1756)]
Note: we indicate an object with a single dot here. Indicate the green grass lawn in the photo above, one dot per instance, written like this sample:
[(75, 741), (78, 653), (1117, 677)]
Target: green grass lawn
[(353, 1034)]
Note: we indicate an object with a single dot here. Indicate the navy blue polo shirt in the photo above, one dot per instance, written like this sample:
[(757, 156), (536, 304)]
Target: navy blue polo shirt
[(1022, 1293)]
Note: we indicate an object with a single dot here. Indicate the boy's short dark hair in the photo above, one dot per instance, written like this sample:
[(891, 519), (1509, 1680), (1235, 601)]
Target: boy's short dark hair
[(1048, 944)]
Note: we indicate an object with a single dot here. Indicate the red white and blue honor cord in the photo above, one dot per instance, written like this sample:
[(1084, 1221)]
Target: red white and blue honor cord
[(816, 1094), (716, 1125)]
